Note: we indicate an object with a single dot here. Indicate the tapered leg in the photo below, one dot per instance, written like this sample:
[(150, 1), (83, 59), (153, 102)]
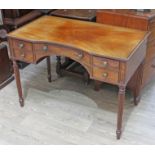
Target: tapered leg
[(49, 69), (121, 99), (18, 83), (58, 66)]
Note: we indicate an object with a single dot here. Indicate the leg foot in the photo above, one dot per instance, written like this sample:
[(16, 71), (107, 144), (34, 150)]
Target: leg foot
[(21, 101), (118, 134), (121, 99), (136, 99)]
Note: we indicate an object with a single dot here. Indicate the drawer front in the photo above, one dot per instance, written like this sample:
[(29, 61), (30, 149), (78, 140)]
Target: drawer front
[(106, 63), (22, 45), (22, 51), (105, 75), (42, 50)]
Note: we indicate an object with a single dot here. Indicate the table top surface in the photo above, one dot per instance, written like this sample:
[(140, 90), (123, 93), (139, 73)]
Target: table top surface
[(97, 39)]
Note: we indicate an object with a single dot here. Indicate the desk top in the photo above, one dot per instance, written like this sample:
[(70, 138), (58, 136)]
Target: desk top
[(94, 38)]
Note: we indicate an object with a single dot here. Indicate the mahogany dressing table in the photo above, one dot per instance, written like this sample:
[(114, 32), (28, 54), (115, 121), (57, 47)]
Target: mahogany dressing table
[(110, 54)]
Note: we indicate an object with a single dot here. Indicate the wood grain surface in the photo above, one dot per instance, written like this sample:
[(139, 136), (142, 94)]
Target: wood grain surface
[(103, 40)]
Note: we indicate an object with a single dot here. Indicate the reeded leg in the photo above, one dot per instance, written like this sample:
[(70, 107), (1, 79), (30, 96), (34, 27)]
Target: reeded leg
[(58, 66), (18, 83), (49, 69), (121, 99)]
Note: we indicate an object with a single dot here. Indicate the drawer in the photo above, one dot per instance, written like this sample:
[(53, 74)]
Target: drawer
[(22, 51), (105, 75), (106, 63), (42, 50), (22, 45)]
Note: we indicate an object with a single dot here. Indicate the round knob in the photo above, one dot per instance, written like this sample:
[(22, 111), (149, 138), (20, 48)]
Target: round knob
[(45, 48), (21, 45), (80, 55), (105, 63), (105, 75), (22, 54)]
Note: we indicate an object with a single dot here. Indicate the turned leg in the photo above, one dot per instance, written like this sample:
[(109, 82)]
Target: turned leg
[(121, 99), (58, 66), (97, 85), (49, 69), (18, 83)]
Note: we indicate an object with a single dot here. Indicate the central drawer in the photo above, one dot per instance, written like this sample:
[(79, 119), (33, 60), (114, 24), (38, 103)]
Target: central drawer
[(42, 50)]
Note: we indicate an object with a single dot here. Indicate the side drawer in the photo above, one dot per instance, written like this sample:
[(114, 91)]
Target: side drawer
[(105, 63), (22, 50), (105, 75), (19, 44)]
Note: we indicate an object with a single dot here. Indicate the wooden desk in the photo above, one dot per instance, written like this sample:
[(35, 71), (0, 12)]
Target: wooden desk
[(109, 54)]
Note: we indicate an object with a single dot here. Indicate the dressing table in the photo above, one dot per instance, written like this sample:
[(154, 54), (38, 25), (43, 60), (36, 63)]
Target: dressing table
[(110, 54)]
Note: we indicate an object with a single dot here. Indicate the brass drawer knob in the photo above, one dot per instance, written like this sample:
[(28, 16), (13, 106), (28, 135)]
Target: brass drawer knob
[(105, 63), (80, 56), (22, 54), (45, 48), (105, 75), (21, 45)]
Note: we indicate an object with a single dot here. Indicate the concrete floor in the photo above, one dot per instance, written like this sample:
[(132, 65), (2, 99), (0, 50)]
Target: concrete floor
[(68, 112)]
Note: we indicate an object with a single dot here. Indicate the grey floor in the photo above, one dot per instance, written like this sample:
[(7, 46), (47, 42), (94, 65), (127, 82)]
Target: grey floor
[(68, 112)]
